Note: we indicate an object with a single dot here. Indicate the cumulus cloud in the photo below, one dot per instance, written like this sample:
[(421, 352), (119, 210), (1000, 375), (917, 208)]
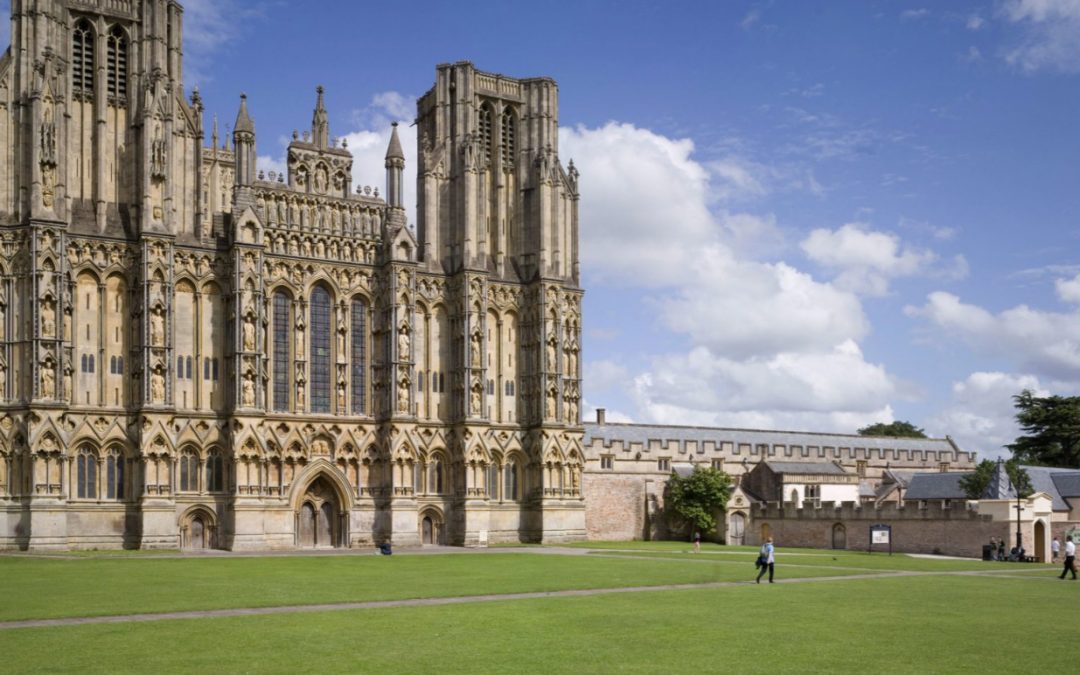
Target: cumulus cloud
[(865, 260), (914, 14), (1069, 289), (768, 343), (208, 26), (1044, 343), (980, 416), (1049, 34)]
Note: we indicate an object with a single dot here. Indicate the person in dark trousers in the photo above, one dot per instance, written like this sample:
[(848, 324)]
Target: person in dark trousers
[(768, 562), (697, 541), (1001, 549), (1070, 559)]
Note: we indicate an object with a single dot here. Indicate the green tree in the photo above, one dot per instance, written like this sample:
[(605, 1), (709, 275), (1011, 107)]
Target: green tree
[(974, 484), (899, 429), (698, 496), (1051, 427)]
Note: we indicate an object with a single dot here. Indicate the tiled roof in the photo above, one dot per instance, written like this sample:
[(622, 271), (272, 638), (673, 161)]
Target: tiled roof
[(818, 468), (940, 485)]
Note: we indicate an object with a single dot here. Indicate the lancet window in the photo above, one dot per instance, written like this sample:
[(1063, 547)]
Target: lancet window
[(117, 64), (359, 364), (82, 59), (320, 350), (281, 332)]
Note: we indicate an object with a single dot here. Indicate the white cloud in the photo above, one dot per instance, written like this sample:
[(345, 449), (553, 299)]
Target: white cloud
[(1046, 344), (1069, 289), (208, 25), (751, 19), (914, 14), (981, 416), (656, 224), (605, 374), (1049, 37), (866, 260), (975, 23), (972, 55)]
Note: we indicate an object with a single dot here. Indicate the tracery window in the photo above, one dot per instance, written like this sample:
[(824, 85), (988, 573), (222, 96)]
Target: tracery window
[(509, 139), (320, 350), (281, 334), (86, 474), (82, 58), (485, 130), (359, 337), (493, 481), (117, 63), (215, 472), (114, 475), (189, 471), (435, 477), (510, 481)]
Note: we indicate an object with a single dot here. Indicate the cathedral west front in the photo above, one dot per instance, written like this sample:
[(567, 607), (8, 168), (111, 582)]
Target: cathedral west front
[(195, 353)]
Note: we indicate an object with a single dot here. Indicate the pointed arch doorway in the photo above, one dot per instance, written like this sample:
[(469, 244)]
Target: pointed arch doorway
[(318, 520)]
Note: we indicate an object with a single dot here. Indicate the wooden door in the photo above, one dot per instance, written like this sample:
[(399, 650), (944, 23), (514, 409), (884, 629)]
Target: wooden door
[(198, 533), (738, 525), (307, 525), (324, 533), (428, 531), (839, 536)]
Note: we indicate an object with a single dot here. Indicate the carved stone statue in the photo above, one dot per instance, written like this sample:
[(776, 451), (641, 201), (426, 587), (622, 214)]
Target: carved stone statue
[(48, 381), (403, 343), (551, 405), (157, 387), (403, 395), (48, 318), (67, 383), (157, 328), (247, 394), (474, 350), (249, 333), (476, 402), (551, 366)]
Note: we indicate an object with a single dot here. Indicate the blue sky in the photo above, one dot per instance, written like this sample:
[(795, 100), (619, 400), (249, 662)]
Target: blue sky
[(795, 215)]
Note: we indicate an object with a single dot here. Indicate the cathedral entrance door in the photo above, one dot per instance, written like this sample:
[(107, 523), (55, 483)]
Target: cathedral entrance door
[(325, 525), (198, 533), (738, 527), (307, 525), (428, 531)]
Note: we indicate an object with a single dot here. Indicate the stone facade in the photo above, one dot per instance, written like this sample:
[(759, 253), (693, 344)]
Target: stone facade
[(194, 353)]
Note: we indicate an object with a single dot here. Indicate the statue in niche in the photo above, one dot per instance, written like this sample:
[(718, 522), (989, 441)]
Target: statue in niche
[(403, 395), (67, 382), (280, 210), (468, 152), (572, 416), (305, 248), (477, 401), (294, 212), (474, 350), (571, 362), (341, 396), (157, 154), (566, 409), (299, 332), (157, 328), (48, 380), (249, 333), (301, 177), (551, 404), (403, 343), (48, 138), (299, 395), (157, 386), (3, 379), (48, 318), (320, 179), (247, 394), (48, 180), (551, 365)]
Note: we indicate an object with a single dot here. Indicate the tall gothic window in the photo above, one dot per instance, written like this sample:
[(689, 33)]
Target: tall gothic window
[(117, 63), (215, 472), (485, 130), (320, 350), (509, 139), (114, 475), (493, 481), (82, 58), (435, 476), (282, 333), (359, 337), (86, 474), (189, 471), (510, 481)]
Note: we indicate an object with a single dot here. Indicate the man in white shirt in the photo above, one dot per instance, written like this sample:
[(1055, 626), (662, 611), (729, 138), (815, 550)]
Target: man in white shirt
[(1070, 559)]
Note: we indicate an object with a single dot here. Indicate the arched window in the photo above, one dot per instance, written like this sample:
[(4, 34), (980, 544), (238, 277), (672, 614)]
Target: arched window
[(282, 318), (359, 364), (82, 58), (188, 369), (510, 481), (114, 475), (493, 481), (320, 350), (86, 474), (485, 130), (117, 63), (215, 472), (189, 471), (509, 138)]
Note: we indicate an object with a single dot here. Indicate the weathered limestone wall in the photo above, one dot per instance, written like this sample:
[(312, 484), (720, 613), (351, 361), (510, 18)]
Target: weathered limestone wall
[(616, 506)]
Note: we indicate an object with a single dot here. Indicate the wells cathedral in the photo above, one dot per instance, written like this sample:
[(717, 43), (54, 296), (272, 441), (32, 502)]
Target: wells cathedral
[(198, 354)]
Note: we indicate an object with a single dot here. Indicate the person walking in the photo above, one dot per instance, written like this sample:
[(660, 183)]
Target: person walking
[(1055, 550), (768, 561), (1070, 559), (697, 541)]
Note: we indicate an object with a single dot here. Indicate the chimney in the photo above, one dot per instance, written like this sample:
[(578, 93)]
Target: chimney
[(600, 416)]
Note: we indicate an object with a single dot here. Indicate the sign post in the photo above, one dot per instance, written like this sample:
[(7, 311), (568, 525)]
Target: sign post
[(880, 534)]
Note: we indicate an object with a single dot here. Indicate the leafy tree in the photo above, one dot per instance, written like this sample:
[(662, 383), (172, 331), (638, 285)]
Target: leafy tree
[(974, 484), (1051, 427), (899, 429), (698, 496)]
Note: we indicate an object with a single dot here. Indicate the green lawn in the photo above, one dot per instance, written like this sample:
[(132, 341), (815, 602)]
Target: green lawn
[(935, 622), (902, 625)]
